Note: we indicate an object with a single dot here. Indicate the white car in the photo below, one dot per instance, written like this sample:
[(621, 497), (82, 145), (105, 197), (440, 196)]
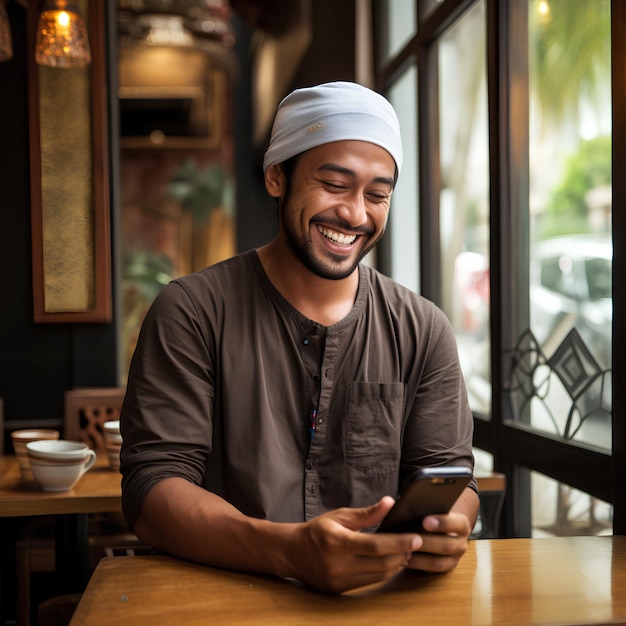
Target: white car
[(570, 286)]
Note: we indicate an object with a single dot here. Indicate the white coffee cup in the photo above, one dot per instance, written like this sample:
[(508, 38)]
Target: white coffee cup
[(113, 440), (112, 431), (21, 437), (58, 465)]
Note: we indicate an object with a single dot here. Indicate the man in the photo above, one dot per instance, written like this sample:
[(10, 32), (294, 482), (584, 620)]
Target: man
[(277, 399)]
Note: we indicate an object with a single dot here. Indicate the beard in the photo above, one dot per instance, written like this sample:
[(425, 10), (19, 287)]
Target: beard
[(331, 267)]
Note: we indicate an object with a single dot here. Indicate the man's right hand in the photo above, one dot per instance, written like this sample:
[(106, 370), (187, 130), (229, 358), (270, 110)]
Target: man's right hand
[(330, 553)]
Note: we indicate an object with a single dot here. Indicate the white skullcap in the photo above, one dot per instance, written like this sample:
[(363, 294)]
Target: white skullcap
[(337, 111)]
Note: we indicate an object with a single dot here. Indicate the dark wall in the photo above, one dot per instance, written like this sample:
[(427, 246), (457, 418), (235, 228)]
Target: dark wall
[(256, 223), (331, 55), (37, 361)]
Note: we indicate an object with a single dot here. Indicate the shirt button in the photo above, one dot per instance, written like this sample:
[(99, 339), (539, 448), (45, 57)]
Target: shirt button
[(306, 342), (309, 465)]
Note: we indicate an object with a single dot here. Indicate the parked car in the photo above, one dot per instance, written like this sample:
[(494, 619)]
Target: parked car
[(570, 286)]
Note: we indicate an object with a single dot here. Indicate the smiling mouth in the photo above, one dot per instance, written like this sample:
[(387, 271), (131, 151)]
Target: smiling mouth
[(336, 237)]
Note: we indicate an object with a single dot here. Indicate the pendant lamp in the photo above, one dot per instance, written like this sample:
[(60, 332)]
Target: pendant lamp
[(61, 36)]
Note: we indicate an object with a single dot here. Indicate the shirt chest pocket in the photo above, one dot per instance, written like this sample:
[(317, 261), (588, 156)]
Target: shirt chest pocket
[(374, 428)]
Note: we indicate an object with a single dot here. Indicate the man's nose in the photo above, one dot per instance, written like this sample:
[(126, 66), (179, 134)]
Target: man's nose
[(353, 210)]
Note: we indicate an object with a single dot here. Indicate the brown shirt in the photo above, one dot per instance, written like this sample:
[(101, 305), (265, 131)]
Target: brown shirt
[(228, 377)]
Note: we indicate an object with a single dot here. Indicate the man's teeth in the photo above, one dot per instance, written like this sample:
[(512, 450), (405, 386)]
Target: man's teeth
[(336, 237)]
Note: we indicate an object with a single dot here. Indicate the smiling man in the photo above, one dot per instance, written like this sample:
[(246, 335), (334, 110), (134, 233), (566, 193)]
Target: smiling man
[(277, 399)]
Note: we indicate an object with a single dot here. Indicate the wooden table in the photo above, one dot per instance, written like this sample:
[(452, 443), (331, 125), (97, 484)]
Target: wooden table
[(578, 580), (98, 491)]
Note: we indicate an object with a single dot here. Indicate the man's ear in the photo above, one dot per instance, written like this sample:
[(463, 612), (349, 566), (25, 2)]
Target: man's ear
[(275, 181)]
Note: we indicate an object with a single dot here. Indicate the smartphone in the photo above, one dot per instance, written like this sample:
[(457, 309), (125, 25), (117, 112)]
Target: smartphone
[(427, 491)]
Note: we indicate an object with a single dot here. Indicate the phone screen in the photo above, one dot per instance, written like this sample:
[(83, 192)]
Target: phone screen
[(429, 491)]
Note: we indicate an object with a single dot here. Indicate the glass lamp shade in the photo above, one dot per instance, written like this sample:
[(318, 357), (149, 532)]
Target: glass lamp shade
[(6, 44), (62, 38)]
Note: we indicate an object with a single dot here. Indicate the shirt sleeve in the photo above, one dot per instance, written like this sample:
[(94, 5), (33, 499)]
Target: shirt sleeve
[(166, 419), (440, 426)]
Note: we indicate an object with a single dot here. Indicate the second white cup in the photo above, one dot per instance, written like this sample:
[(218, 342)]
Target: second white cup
[(58, 465), (113, 440)]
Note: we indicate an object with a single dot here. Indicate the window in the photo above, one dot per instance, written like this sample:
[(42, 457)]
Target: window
[(464, 197), (519, 107)]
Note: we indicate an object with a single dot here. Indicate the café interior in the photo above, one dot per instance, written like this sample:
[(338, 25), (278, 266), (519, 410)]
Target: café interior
[(136, 158)]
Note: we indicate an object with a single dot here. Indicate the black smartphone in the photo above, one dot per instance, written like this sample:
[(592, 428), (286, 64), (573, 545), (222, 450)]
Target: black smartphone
[(427, 491)]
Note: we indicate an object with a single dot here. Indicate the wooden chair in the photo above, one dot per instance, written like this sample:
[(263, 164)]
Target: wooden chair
[(85, 410), (492, 488)]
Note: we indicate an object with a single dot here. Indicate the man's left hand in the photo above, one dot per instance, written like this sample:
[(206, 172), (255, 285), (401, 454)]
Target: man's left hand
[(446, 536)]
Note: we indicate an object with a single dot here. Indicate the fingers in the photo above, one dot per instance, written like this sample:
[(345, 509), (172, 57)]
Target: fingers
[(433, 563), (357, 570), (383, 544), (443, 545), (453, 523), (358, 576), (364, 517), (339, 557), (439, 552)]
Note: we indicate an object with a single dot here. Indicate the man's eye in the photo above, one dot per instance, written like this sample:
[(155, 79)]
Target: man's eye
[(334, 186), (378, 197)]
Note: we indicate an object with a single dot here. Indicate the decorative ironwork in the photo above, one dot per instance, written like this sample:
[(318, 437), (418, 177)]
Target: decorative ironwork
[(532, 376), (584, 393)]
